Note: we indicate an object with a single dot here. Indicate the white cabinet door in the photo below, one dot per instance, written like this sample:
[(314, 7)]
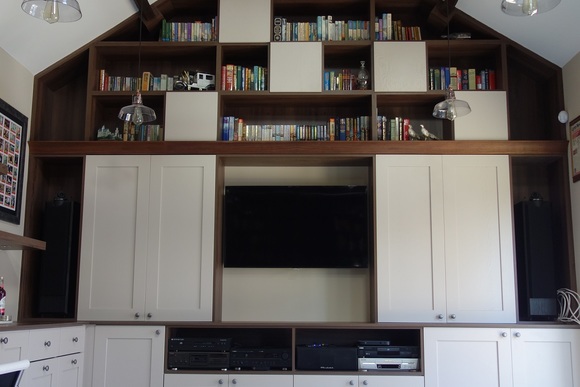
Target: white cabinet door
[(391, 381), (478, 239), (114, 238), (488, 119), (181, 238), (70, 370), (72, 340), (409, 229), (460, 357), (546, 357), (44, 343), (400, 66), (244, 21), (325, 380), (191, 380), (128, 356), (191, 116), (13, 346), (252, 380), (290, 72), (41, 373)]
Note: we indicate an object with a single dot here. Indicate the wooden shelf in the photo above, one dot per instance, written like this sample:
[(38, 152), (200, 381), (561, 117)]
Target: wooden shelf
[(9, 241), (312, 148)]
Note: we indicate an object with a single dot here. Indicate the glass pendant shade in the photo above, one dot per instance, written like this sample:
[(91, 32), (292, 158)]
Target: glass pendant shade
[(451, 108), (53, 11), (527, 7), (137, 113)]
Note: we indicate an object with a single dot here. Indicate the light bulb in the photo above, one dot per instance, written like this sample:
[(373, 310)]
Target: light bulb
[(51, 14), (451, 111), (138, 116), (530, 7)]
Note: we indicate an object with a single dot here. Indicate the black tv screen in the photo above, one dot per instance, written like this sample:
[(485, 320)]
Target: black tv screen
[(296, 227)]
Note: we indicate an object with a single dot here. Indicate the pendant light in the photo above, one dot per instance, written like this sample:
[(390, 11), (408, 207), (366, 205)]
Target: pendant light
[(53, 11), (138, 113), (451, 107), (527, 7)]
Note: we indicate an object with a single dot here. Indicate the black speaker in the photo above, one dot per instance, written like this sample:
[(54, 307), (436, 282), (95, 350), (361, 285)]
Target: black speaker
[(536, 273), (57, 275)]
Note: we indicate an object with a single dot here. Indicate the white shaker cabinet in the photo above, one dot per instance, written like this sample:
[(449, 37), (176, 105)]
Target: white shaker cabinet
[(444, 239), (128, 356), (228, 380), (148, 224)]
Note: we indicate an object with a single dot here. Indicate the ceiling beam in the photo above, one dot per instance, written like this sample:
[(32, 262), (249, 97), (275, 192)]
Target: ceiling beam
[(151, 17)]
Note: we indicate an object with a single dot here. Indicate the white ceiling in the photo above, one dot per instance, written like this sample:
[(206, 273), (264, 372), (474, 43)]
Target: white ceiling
[(37, 45)]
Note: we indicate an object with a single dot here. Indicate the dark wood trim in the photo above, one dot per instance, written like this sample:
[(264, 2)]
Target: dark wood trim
[(9, 241)]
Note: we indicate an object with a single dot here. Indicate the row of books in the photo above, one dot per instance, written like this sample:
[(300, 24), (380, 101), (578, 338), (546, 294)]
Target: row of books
[(243, 78), (335, 129), (324, 29), (388, 29), (400, 129), (440, 78), (344, 79), (147, 82), (197, 31), (132, 132)]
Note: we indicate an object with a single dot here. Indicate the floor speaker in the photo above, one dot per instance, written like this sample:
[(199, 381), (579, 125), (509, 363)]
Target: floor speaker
[(57, 276), (535, 254)]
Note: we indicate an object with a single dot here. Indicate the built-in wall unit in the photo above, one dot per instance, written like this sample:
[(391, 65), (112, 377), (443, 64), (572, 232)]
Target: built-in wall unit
[(410, 258)]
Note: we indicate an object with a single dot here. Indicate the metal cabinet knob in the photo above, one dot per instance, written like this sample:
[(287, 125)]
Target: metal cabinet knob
[(366, 382), (4, 340), (137, 315), (45, 368), (440, 317), (149, 315), (157, 332), (221, 381), (73, 362), (75, 339), (517, 334), (452, 316), (504, 334), (47, 343), (351, 382), (234, 381)]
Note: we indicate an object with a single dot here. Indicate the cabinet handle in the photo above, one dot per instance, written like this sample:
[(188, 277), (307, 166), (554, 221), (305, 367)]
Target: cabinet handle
[(366, 382), (4, 340), (137, 315), (234, 381), (149, 315), (47, 343), (75, 339), (517, 334), (351, 382), (504, 334), (73, 362), (439, 316), (221, 381), (157, 332), (452, 316), (45, 368)]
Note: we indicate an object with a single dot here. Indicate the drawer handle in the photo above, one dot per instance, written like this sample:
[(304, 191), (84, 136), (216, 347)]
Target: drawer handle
[(75, 339), (366, 382), (137, 315), (221, 381), (47, 343), (351, 382), (73, 362), (149, 315), (45, 368), (234, 381), (4, 340)]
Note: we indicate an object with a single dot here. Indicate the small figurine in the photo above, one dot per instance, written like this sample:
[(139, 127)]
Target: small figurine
[(428, 135)]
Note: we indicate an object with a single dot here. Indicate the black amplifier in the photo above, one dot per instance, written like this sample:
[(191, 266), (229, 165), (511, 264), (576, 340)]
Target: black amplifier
[(326, 358), (388, 351), (262, 359), (196, 344), (183, 360)]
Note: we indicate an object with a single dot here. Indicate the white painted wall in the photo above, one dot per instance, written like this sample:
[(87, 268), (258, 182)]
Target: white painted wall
[(16, 85), (571, 76)]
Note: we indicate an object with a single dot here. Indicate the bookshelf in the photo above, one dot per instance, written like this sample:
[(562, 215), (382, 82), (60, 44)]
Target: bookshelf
[(69, 90)]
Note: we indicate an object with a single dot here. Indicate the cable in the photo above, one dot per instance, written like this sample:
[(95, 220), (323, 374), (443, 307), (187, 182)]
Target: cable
[(569, 302)]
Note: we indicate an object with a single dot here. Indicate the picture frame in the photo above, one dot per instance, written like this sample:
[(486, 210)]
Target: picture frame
[(13, 125), (575, 148)]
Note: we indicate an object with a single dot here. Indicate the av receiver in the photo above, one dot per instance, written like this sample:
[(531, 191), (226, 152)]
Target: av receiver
[(263, 359), (388, 351), (195, 344), (198, 360)]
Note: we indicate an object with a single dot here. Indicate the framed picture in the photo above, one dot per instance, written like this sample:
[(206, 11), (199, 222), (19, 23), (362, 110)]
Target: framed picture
[(575, 148), (13, 126)]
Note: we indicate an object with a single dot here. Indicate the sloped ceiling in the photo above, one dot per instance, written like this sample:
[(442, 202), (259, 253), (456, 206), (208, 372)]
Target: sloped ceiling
[(37, 45)]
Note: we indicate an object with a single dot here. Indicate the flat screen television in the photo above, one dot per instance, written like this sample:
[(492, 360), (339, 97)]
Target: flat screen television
[(296, 227)]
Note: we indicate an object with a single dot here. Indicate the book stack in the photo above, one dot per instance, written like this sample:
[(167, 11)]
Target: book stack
[(197, 31), (147, 82), (145, 132), (340, 79), (394, 129), (388, 29), (324, 29), (243, 78), (440, 78), (335, 129)]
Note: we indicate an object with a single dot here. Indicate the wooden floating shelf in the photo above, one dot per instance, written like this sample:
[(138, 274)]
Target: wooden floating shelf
[(9, 241)]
